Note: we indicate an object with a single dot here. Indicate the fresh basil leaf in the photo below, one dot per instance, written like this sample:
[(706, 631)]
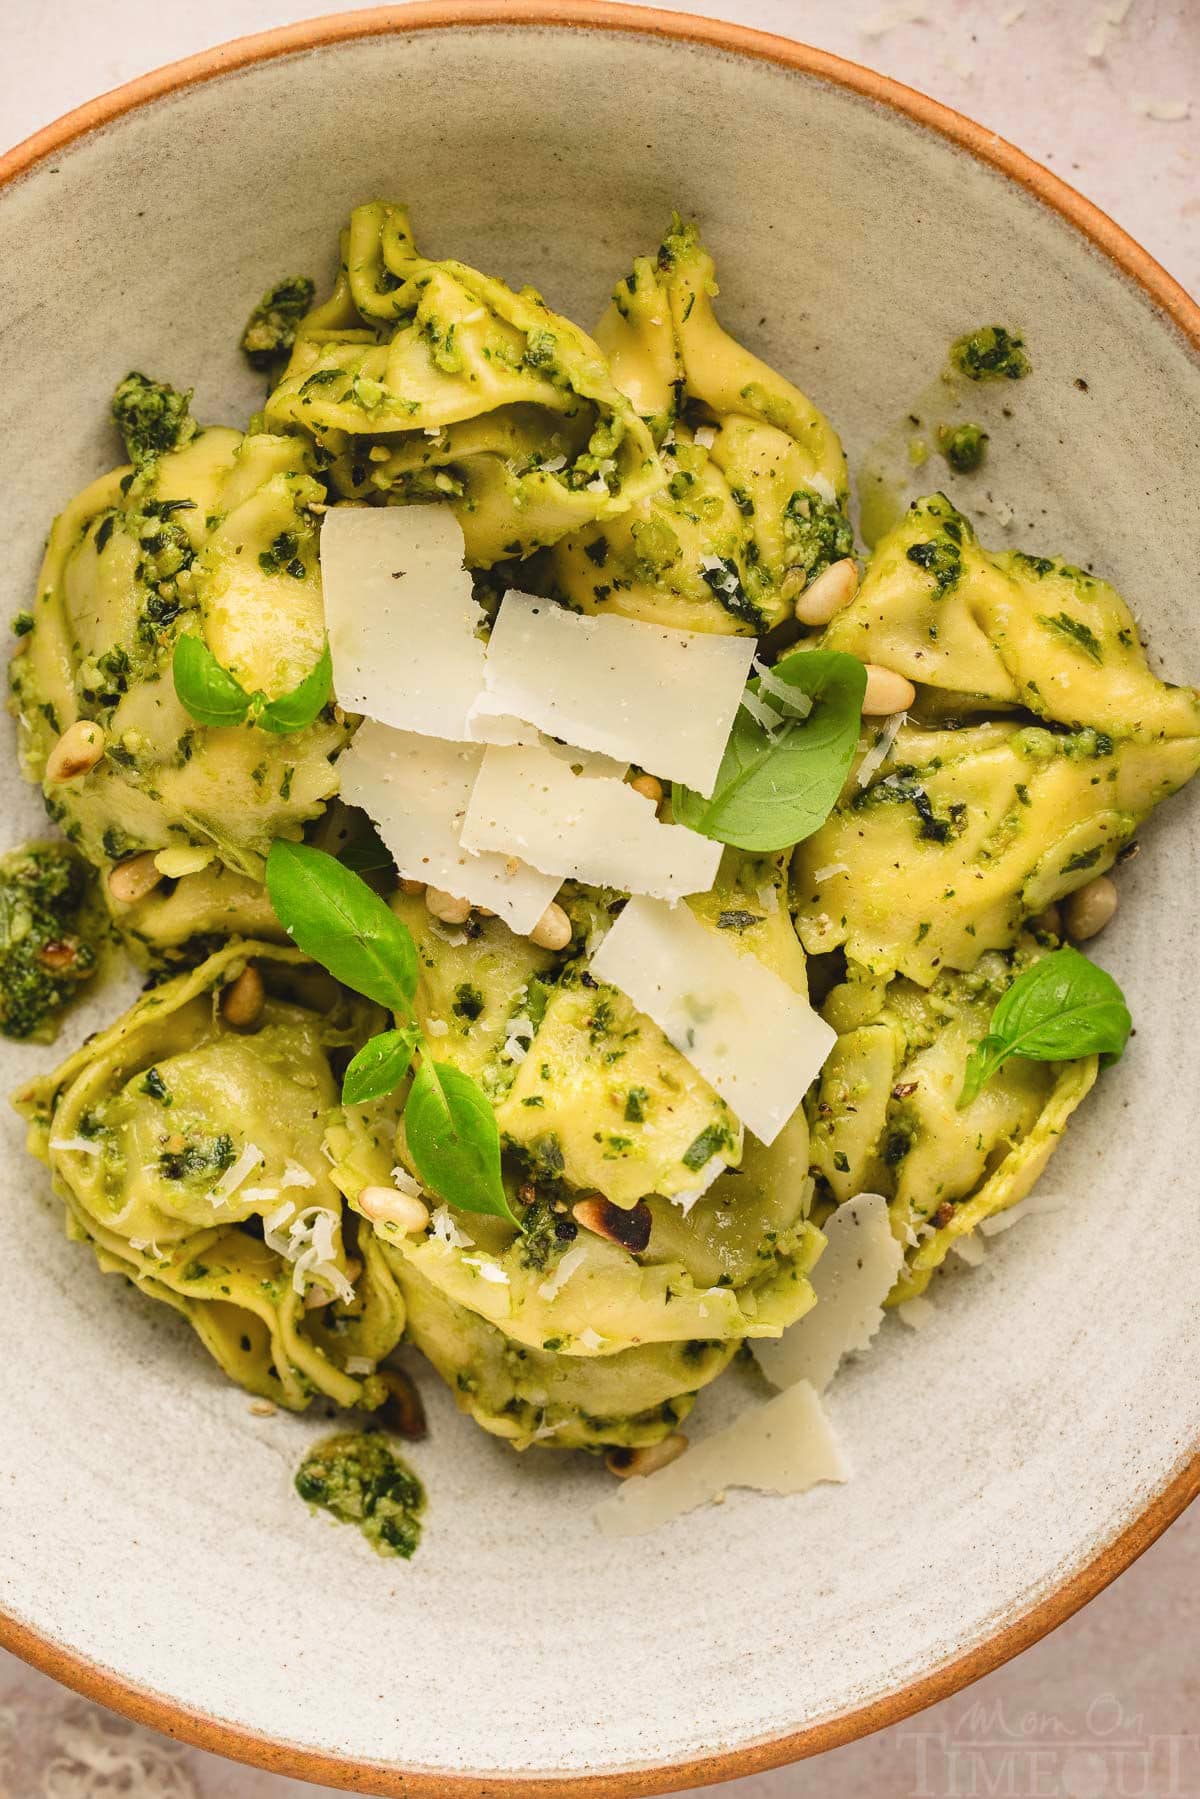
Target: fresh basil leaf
[(380, 1065), (206, 690), (452, 1137), (334, 917), (776, 787), (1061, 1008), (293, 711)]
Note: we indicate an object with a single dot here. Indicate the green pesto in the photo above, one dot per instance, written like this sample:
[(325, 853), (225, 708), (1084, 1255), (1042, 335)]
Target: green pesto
[(963, 446), (47, 952), (359, 1479), (152, 417), (271, 328), (990, 353)]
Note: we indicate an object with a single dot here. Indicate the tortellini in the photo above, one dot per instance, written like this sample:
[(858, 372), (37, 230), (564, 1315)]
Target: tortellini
[(218, 537), (754, 500), (426, 380), (189, 1154), (885, 1115)]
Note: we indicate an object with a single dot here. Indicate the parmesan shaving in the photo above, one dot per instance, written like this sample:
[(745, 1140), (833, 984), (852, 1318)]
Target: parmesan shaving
[(447, 1231), (236, 1174), (789, 701), (83, 1146), (417, 791), (705, 1177), (1033, 1205), (402, 620), (762, 714), (294, 1175), (307, 1239), (752, 1037), (705, 436), (518, 1037), (830, 869), (638, 692), (785, 1445), (531, 803), (404, 1182), (855, 1274), (970, 1249), (552, 1287), (881, 749), (489, 1271)]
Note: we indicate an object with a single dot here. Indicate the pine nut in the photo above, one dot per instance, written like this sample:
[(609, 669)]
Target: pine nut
[(630, 1227), (77, 751), (795, 580), (403, 1408), (412, 887), (833, 589), (132, 879), (447, 906), (553, 928), (1090, 908), (648, 787), (385, 1205), (57, 955), (887, 692), (1047, 923), (647, 1460), (243, 1001), (262, 1408)]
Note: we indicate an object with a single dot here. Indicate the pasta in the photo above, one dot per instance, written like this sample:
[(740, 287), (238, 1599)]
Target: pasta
[(351, 1109)]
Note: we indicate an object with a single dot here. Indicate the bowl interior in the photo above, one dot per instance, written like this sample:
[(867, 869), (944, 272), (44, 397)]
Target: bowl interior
[(147, 1521)]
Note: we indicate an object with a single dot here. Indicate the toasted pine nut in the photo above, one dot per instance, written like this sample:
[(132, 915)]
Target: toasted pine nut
[(386, 1205), (553, 928), (412, 887), (647, 1460), (795, 580), (1090, 908), (648, 787), (447, 906), (77, 751), (1048, 922), (243, 1000), (887, 692), (630, 1227), (833, 588), (134, 878), (403, 1409), (262, 1408), (57, 955)]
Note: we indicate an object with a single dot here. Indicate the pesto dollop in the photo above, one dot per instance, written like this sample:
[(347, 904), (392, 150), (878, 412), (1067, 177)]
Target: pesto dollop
[(358, 1477), (990, 353), (963, 446), (45, 952)]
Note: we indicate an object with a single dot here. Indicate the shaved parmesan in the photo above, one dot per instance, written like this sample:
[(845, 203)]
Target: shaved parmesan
[(235, 1174), (856, 1272), (307, 1239), (881, 749), (783, 1446), (705, 436), (712, 1169), (489, 1271), (970, 1249), (83, 1146), (296, 1176), (417, 791), (403, 623), (447, 1232), (490, 721), (751, 1036), (550, 1288), (643, 693), (1033, 1205), (532, 803)]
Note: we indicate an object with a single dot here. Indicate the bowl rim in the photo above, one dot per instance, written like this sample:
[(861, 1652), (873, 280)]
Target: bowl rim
[(1174, 307)]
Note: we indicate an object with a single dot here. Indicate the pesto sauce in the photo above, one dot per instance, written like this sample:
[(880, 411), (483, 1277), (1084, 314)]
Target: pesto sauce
[(48, 937), (358, 1478)]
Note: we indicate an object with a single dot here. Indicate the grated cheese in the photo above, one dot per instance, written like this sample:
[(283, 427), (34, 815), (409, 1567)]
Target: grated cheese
[(404, 1182), (881, 749), (447, 1231), (642, 693), (785, 1445), (402, 620), (307, 1240), (751, 1036), (532, 803), (236, 1174), (551, 1288), (831, 868), (294, 1175), (490, 1271), (417, 791), (83, 1146), (855, 1274), (518, 1038)]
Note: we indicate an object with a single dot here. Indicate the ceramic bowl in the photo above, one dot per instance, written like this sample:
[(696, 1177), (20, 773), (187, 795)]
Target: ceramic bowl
[(1009, 1459)]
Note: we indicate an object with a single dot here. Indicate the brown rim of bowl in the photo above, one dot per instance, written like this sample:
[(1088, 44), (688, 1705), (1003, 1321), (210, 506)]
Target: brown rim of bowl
[(1171, 301)]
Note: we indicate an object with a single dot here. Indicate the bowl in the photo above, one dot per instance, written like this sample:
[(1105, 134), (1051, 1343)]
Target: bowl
[(1009, 1459)]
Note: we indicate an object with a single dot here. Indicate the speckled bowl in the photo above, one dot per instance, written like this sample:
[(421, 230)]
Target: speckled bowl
[(1010, 1459)]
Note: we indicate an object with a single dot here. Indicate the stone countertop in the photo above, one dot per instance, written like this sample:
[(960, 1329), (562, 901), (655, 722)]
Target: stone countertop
[(1107, 95)]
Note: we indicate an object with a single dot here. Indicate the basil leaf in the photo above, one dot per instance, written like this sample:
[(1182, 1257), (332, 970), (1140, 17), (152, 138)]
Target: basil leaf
[(208, 691), (380, 1065), (1061, 1008), (452, 1137), (776, 787), (293, 711), (334, 917)]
